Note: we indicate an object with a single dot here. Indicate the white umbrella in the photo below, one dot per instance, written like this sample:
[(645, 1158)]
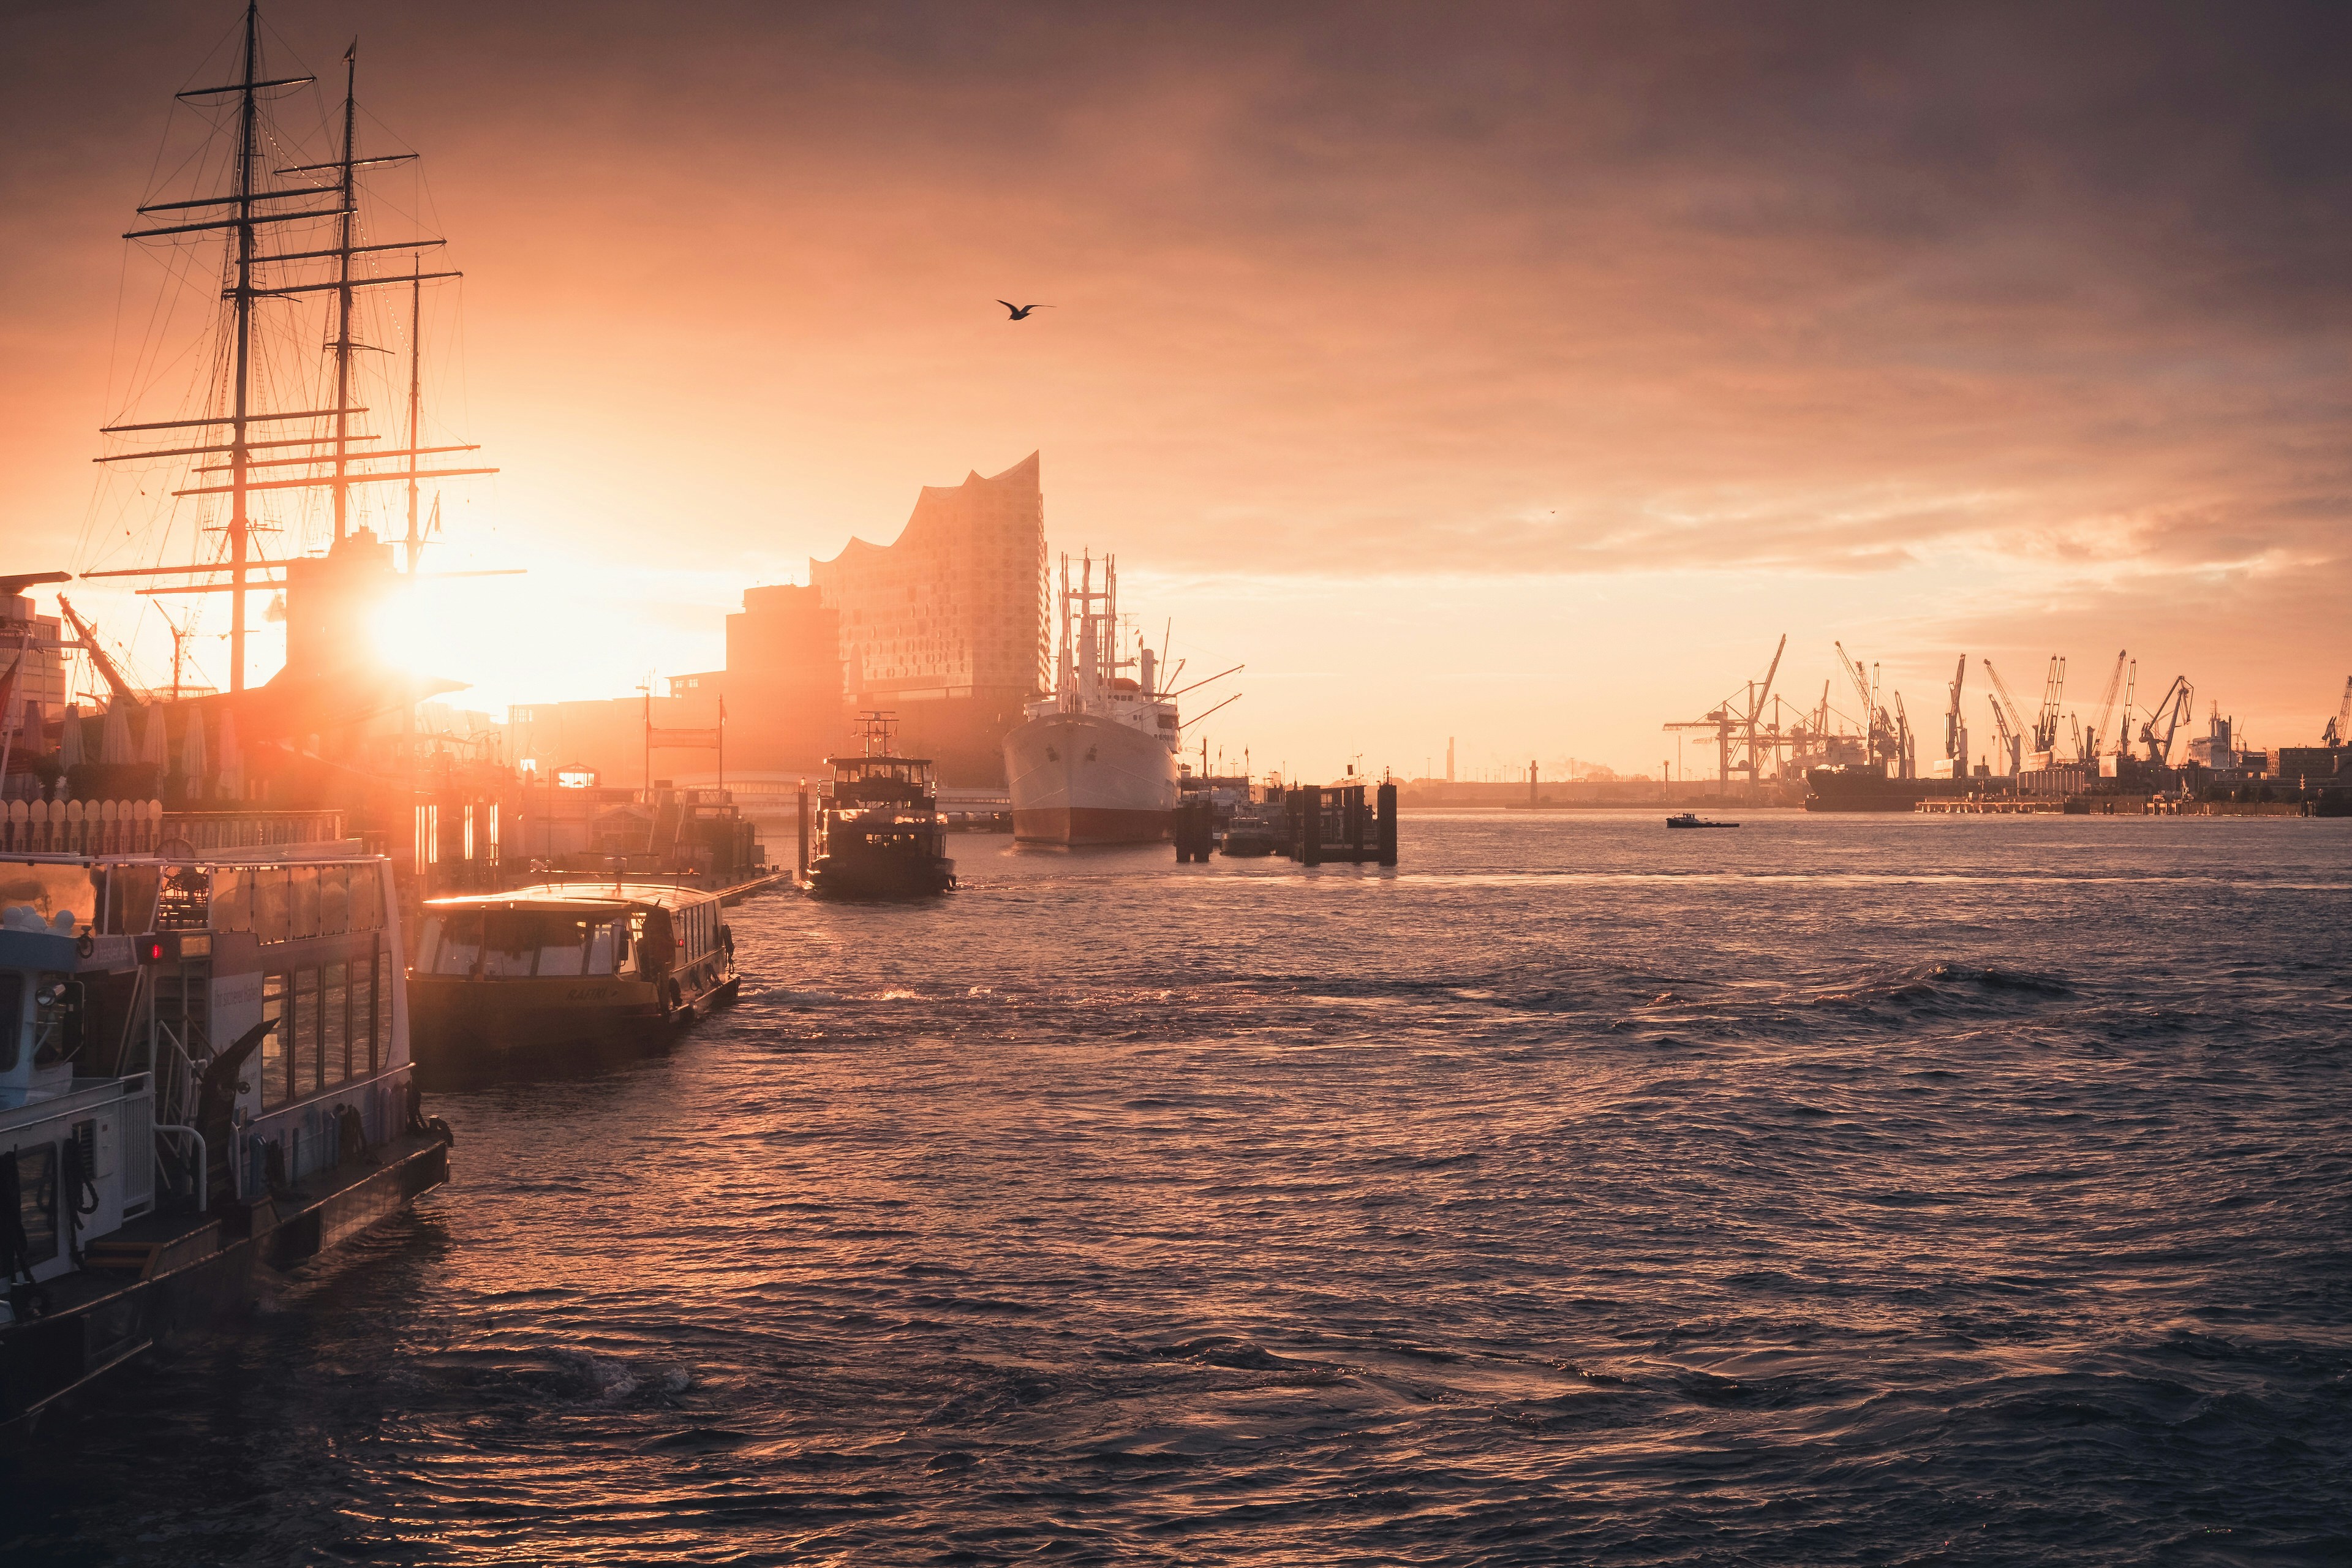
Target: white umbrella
[(192, 766), (153, 745), (114, 735), (69, 744), (232, 781)]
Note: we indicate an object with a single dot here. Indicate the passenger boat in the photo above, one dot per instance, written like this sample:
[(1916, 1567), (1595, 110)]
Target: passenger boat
[(203, 1069), (880, 831), (565, 967), (1692, 819)]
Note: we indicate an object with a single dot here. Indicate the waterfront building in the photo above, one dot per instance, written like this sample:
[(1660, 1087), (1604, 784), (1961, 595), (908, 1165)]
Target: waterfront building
[(946, 626)]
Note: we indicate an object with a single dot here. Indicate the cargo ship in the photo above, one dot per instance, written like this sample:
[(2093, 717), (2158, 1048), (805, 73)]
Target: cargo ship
[(1094, 762)]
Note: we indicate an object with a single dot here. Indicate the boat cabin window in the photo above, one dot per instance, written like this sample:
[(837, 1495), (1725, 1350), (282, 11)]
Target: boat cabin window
[(515, 944), (276, 903), (48, 891), (509, 944), (450, 943), (563, 945), (334, 1023)]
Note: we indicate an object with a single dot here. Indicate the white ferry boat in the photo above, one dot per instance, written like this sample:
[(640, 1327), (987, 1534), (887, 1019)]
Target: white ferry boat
[(203, 1071), (1094, 762)]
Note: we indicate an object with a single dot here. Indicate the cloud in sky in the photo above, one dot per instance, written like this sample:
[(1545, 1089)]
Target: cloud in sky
[(2002, 323)]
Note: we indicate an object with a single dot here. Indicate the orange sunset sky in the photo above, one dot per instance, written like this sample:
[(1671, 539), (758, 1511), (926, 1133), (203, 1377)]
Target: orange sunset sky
[(1514, 374)]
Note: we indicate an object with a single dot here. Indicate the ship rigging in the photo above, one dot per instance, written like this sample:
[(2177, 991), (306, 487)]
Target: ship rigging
[(241, 443)]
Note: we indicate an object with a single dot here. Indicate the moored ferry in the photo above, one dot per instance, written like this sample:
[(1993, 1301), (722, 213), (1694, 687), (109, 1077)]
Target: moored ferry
[(203, 1069), (565, 967)]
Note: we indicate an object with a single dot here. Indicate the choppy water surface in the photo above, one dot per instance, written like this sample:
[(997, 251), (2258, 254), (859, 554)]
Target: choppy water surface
[(1838, 1190)]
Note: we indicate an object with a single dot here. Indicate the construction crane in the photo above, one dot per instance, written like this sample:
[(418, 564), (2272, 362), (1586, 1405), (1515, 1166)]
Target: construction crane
[(2045, 723), (2339, 728), (115, 681), (2172, 709), (2012, 733), (2087, 750)]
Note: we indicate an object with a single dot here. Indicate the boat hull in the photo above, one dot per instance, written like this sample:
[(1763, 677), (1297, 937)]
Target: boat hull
[(465, 1026), (197, 1277), (1077, 779)]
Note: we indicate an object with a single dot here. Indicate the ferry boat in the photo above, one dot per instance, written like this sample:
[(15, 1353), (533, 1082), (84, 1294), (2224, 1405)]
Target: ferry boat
[(1094, 762), (203, 1071), (879, 830), (565, 967), (1692, 819)]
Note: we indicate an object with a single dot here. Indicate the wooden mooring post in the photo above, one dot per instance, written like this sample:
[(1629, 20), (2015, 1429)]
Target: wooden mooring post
[(804, 830), (1196, 828), (1335, 822)]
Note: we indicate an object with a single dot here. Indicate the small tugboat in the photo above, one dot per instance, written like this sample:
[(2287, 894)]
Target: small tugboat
[(1256, 826), (1692, 819), (564, 968), (880, 831)]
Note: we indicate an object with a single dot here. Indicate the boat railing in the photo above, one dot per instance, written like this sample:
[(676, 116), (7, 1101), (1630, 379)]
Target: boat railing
[(175, 1068), (169, 1134), (81, 827)]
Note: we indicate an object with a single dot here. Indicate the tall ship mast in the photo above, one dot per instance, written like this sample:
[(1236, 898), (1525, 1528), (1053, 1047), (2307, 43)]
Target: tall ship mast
[(260, 432), (1094, 762), (287, 450)]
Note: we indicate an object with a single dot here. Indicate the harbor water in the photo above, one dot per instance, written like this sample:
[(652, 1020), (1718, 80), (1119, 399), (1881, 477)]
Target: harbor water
[(1837, 1190)]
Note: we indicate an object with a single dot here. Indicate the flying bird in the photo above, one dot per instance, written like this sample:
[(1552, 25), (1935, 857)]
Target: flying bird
[(1020, 312)]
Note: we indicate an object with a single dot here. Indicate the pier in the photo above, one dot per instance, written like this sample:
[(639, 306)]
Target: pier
[(1334, 823)]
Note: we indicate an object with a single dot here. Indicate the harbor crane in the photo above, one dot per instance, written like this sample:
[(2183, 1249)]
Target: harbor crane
[(2045, 723), (2086, 750), (2124, 729), (116, 680), (1956, 733), (1884, 740), (2012, 731), (1735, 721), (2339, 728), (2009, 737), (2172, 710)]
